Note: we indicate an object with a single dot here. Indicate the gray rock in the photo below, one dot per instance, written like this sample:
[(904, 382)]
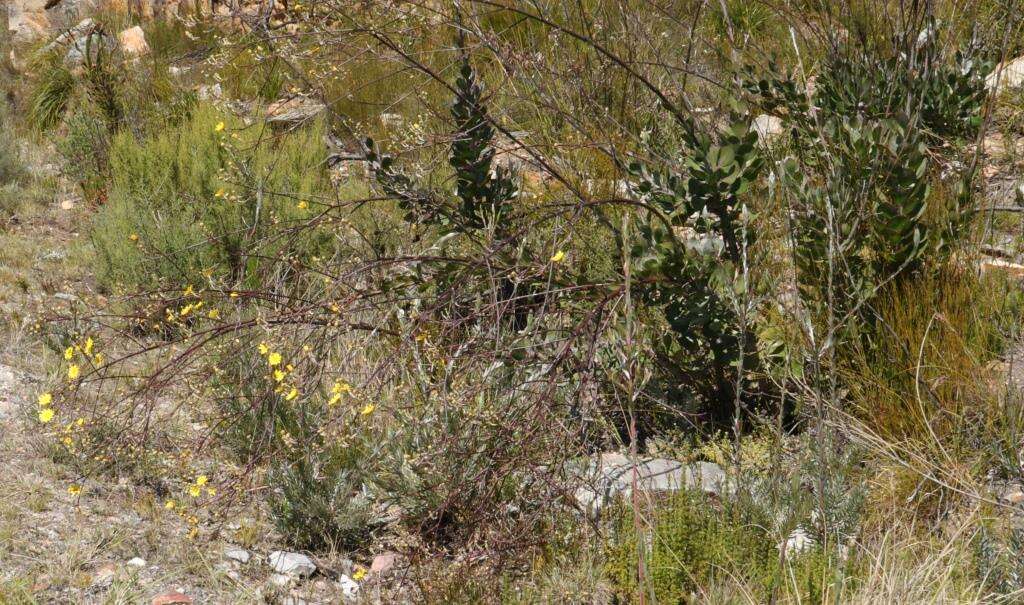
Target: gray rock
[(292, 564), (612, 476), (349, 587), (767, 127), (237, 554), (137, 562), (294, 111), (1009, 74), (281, 580), (209, 92)]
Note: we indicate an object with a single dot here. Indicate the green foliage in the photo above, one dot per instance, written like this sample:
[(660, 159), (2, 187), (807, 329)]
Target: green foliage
[(483, 190), (688, 546), (483, 194), (317, 500), (194, 201), (12, 170), (691, 254), (51, 95), (85, 150)]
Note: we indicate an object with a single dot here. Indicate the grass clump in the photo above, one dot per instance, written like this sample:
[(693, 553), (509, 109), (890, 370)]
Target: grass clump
[(205, 200)]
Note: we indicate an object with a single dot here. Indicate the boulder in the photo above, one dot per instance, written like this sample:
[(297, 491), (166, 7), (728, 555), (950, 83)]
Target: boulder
[(613, 475), (767, 127), (237, 554), (27, 19), (293, 564), (383, 563), (1008, 74), (349, 587), (133, 42), (172, 598), (294, 110)]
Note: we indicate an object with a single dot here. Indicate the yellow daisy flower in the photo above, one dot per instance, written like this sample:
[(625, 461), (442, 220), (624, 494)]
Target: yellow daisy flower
[(73, 371), (366, 411), (46, 415), (558, 257), (274, 359), (45, 399)]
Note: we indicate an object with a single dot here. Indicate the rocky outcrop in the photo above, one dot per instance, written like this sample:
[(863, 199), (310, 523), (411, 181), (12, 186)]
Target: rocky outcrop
[(612, 475)]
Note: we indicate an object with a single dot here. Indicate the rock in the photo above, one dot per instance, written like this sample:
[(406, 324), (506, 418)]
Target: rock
[(133, 42), (349, 587), (27, 20), (84, 28), (281, 580), (797, 542), (137, 562), (1010, 269), (104, 576), (172, 598), (1013, 495), (294, 110), (237, 554), (612, 476), (209, 92), (767, 127), (1009, 74), (383, 563), (291, 564)]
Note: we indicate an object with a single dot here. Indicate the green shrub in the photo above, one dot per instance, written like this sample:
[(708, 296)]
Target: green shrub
[(51, 95), (206, 199), (688, 546)]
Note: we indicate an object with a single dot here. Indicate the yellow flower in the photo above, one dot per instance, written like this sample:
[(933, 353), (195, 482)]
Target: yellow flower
[(88, 346), (45, 399), (368, 409), (68, 441), (169, 504), (292, 394), (279, 375), (558, 257), (213, 314), (45, 415), (359, 574), (334, 399), (73, 371), (69, 353), (211, 492), (98, 359), (201, 480), (74, 489), (219, 193), (341, 387), (194, 491), (263, 349), (134, 237), (274, 359), (188, 291), (303, 205), (219, 127)]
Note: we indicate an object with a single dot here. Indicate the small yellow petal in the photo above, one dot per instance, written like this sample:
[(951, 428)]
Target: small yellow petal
[(74, 490), (46, 415), (202, 480), (279, 375), (45, 399), (359, 574), (558, 257), (88, 346), (194, 491), (73, 371), (292, 394), (368, 409), (219, 127), (274, 359), (69, 353)]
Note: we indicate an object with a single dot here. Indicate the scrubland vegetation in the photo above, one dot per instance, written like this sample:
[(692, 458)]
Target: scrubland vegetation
[(494, 240)]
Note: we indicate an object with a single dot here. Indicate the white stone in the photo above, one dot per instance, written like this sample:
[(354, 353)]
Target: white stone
[(613, 475), (797, 542), (349, 587), (133, 41), (767, 127), (1009, 74), (237, 554), (291, 563), (137, 562)]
